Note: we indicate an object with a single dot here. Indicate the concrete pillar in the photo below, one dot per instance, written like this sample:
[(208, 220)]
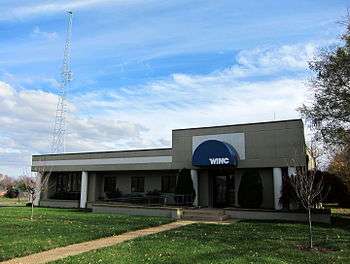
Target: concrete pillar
[(45, 190), (277, 186), (194, 176), (83, 189), (38, 188)]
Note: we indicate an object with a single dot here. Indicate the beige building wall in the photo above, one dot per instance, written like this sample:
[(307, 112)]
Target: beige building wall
[(267, 144), (203, 182)]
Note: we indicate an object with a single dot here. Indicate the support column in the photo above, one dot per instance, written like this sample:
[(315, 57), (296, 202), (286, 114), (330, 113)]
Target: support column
[(83, 189), (194, 176), (38, 188), (277, 186)]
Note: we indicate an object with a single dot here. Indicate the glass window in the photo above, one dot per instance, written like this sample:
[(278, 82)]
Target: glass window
[(68, 182), (137, 184), (110, 184), (168, 183), (67, 185)]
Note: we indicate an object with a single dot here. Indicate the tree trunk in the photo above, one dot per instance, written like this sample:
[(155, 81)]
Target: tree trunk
[(310, 227), (32, 215)]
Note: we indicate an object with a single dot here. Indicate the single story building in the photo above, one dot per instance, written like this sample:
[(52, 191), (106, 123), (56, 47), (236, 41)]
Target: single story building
[(206, 167)]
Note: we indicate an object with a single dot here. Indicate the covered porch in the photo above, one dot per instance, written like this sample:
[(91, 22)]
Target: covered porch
[(141, 188), (200, 188)]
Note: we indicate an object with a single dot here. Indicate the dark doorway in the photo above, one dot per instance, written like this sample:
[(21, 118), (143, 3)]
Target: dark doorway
[(223, 188)]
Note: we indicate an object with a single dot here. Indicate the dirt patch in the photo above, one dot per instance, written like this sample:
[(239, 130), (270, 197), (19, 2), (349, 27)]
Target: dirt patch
[(316, 248)]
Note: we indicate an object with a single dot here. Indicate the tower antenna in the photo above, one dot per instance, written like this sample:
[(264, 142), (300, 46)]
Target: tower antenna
[(59, 129)]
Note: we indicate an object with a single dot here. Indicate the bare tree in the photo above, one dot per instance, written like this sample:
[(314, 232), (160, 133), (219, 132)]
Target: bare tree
[(308, 187), (6, 182), (35, 183), (28, 184)]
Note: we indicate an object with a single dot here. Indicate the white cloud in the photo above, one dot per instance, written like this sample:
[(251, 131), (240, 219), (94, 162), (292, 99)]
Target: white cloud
[(5, 90), (286, 56), (143, 116), (268, 60), (38, 33), (49, 7)]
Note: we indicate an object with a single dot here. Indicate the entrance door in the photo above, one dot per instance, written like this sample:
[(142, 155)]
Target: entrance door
[(224, 190)]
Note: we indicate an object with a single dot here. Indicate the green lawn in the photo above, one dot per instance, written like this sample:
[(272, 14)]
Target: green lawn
[(52, 228), (241, 242), (343, 212), (13, 201)]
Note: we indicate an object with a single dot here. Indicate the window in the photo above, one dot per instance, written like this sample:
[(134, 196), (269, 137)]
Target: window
[(68, 182), (138, 184), (168, 183), (110, 184), (67, 186)]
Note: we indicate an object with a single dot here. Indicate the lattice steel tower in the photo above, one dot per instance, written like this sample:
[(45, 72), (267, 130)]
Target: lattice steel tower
[(59, 129)]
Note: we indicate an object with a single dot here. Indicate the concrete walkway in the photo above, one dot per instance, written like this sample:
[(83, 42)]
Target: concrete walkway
[(75, 249)]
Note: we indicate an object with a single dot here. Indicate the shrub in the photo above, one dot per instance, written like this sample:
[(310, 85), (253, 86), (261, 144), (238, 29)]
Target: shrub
[(184, 183), (250, 190), (288, 195), (12, 193), (337, 191), (184, 188)]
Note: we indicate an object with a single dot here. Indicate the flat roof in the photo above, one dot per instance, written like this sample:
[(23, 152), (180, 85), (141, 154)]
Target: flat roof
[(243, 124), (101, 152)]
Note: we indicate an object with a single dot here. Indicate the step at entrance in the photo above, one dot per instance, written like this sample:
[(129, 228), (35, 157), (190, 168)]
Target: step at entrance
[(205, 215)]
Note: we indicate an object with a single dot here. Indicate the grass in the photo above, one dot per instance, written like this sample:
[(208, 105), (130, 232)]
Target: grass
[(241, 242), (344, 212), (12, 201), (52, 228)]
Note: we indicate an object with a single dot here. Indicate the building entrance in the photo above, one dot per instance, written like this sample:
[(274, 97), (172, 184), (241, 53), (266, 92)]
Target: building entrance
[(223, 188)]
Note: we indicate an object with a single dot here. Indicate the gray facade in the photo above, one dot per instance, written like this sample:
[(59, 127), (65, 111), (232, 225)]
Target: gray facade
[(267, 148)]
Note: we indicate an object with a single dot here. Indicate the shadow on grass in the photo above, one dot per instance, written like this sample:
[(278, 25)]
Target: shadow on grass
[(341, 222), (12, 206)]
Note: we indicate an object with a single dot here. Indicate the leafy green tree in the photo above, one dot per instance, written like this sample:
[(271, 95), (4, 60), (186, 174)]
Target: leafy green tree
[(330, 109), (340, 166)]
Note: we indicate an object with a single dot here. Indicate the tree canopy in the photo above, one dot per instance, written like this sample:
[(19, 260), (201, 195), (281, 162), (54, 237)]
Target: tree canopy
[(330, 109)]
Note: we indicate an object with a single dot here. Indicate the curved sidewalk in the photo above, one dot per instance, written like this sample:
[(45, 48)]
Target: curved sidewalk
[(75, 249)]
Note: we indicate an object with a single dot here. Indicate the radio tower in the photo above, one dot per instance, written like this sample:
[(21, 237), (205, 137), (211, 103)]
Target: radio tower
[(59, 130)]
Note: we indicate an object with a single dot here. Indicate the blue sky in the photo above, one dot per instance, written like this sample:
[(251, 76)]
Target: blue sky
[(142, 68)]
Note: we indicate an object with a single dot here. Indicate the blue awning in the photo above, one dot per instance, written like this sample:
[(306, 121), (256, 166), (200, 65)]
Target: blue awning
[(215, 153)]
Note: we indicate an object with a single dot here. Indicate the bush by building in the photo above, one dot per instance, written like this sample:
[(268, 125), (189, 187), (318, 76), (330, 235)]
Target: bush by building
[(250, 192)]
